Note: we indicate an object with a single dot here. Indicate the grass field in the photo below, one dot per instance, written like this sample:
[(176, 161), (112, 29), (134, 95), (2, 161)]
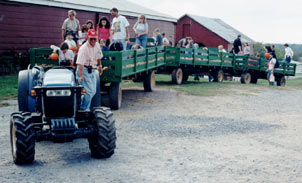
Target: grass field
[(8, 86)]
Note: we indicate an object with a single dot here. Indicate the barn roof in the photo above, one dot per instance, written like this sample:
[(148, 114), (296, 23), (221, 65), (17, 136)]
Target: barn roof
[(125, 7), (220, 28)]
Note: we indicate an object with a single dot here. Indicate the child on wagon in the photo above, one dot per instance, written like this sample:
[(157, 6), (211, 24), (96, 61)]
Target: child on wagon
[(66, 56)]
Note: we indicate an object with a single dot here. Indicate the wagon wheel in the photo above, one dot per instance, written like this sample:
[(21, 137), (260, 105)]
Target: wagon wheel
[(254, 79), (115, 95), (281, 81), (246, 78), (177, 76), (219, 76), (185, 77), (149, 82)]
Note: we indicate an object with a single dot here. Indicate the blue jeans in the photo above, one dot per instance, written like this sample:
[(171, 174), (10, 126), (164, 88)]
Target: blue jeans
[(89, 85), (268, 76), (142, 40), (288, 59)]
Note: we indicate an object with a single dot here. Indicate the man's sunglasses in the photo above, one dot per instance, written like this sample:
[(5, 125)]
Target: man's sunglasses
[(92, 39)]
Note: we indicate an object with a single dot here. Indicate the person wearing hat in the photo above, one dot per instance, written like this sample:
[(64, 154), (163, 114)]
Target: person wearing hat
[(89, 62), (270, 70)]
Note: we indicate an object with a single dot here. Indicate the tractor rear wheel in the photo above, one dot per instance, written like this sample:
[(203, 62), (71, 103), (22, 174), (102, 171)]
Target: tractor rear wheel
[(102, 142), (149, 81), (245, 78), (218, 76), (22, 138), (115, 95), (177, 76), (281, 81), (23, 92)]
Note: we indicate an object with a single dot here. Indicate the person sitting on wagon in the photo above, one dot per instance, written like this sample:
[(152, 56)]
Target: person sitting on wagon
[(89, 62), (70, 42), (66, 56)]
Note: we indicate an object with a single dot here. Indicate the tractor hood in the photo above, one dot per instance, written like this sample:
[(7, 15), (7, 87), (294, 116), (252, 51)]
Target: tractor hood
[(58, 78)]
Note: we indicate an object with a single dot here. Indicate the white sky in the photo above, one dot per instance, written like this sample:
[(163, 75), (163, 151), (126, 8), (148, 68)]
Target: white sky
[(267, 21)]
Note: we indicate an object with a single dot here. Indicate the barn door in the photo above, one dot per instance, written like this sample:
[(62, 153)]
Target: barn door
[(186, 30)]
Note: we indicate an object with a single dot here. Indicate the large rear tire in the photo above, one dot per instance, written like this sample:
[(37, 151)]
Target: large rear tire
[(281, 81), (245, 78), (149, 82), (115, 95), (102, 142), (177, 76), (22, 138), (23, 85)]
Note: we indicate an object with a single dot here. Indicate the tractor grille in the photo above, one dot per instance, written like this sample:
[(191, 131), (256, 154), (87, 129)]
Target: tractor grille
[(59, 106), (63, 124)]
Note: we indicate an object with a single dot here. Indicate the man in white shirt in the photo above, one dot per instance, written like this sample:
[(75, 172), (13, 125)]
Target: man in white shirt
[(288, 53), (270, 70), (119, 28), (89, 62)]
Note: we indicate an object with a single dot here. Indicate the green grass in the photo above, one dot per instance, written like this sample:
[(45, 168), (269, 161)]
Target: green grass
[(8, 87), (205, 88)]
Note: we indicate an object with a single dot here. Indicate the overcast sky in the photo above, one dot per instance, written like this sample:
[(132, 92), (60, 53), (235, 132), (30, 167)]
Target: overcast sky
[(267, 21)]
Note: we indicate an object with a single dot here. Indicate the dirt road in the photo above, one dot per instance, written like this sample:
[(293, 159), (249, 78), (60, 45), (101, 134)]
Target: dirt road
[(167, 136)]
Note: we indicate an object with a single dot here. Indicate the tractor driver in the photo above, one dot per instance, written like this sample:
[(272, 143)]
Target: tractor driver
[(89, 62)]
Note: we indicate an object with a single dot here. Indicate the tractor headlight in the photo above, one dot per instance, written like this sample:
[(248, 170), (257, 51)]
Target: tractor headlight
[(58, 93)]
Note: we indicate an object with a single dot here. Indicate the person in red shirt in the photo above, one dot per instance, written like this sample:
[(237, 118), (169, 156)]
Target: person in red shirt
[(103, 30)]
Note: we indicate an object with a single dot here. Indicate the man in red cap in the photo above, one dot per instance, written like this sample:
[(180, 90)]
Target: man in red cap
[(89, 64)]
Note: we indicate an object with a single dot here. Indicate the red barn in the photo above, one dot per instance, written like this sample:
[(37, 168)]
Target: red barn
[(26, 24), (208, 32)]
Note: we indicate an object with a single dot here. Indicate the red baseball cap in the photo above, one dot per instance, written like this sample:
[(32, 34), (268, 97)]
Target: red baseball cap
[(92, 33)]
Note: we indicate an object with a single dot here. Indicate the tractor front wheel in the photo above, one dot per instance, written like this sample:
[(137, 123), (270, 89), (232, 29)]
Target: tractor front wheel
[(22, 138), (102, 142)]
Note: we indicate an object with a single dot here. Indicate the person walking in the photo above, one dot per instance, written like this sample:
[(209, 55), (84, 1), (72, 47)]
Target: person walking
[(119, 28), (288, 53), (71, 25), (141, 31), (89, 62), (238, 45)]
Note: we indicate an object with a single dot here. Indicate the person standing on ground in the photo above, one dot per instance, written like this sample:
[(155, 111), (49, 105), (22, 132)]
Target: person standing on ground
[(288, 53), (89, 62), (238, 45), (270, 70), (71, 25), (141, 31), (119, 28)]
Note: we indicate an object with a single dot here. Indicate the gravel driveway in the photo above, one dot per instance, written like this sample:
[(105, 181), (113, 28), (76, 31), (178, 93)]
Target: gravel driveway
[(167, 136)]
